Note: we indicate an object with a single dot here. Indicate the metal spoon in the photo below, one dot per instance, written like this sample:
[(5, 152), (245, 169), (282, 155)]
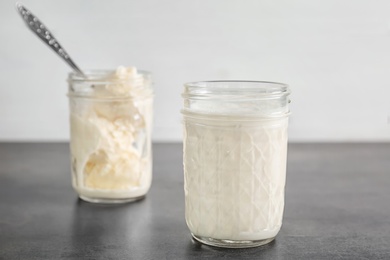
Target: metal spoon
[(45, 35)]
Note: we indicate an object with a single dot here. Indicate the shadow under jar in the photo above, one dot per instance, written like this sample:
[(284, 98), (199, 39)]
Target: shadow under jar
[(235, 151), (111, 121)]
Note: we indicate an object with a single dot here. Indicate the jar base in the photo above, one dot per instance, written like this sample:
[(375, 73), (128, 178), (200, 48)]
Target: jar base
[(226, 243), (109, 201)]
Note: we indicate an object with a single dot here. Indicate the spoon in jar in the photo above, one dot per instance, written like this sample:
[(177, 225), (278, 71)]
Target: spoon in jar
[(46, 36)]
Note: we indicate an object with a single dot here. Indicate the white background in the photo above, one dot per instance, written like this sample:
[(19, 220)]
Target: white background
[(335, 55)]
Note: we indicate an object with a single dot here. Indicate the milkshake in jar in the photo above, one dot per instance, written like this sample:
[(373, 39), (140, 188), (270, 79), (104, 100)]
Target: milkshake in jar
[(111, 123), (235, 151)]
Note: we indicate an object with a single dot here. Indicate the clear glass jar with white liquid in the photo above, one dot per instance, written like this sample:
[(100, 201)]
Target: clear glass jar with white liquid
[(235, 151)]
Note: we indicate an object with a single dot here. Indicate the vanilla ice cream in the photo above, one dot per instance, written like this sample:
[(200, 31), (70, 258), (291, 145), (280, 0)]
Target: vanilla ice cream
[(110, 121)]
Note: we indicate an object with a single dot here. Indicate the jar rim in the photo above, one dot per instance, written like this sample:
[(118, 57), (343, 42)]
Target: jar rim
[(207, 89), (101, 76), (196, 83)]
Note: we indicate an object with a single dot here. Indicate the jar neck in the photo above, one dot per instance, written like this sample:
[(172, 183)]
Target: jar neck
[(105, 84), (236, 99)]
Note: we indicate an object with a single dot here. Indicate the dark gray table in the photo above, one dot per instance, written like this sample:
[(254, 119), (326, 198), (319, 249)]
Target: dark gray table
[(337, 207)]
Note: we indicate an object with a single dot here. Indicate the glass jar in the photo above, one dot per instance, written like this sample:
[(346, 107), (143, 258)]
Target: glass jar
[(110, 137), (235, 151)]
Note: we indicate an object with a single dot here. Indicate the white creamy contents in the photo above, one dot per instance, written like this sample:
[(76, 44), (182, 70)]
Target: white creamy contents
[(111, 156), (235, 177)]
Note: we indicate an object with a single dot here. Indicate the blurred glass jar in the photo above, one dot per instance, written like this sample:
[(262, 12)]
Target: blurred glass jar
[(235, 151), (111, 123)]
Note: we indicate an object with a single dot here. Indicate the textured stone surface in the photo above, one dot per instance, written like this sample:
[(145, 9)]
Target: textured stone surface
[(337, 207)]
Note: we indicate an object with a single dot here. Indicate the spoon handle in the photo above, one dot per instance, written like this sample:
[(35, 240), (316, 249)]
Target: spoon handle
[(46, 36)]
